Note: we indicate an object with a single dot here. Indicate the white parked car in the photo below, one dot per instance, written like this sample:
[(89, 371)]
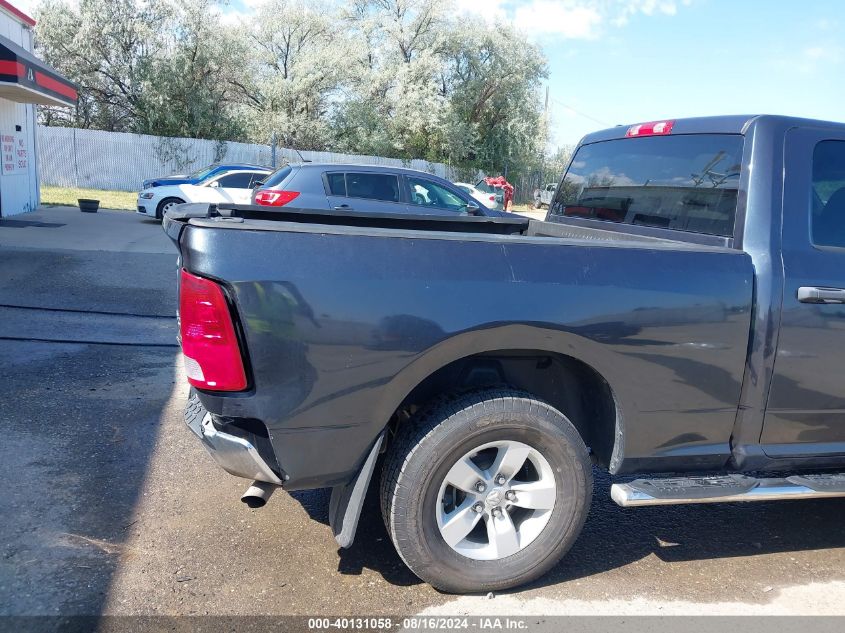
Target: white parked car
[(487, 199), (489, 196), (234, 187)]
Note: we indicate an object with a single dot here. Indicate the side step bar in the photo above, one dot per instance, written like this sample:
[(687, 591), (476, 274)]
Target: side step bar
[(726, 488)]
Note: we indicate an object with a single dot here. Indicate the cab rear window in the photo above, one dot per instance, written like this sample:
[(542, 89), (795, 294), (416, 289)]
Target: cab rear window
[(684, 182)]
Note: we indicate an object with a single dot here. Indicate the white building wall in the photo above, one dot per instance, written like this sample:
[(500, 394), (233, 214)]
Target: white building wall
[(18, 192)]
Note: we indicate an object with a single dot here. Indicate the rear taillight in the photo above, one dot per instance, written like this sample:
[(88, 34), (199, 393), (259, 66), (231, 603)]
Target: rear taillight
[(655, 128), (274, 197), (492, 198), (212, 354)]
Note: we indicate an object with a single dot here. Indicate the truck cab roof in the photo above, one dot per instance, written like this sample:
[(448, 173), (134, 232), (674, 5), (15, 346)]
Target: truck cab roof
[(728, 124)]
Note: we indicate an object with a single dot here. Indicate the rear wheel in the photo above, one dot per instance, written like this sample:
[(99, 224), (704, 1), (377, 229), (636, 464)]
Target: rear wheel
[(165, 205), (486, 491)]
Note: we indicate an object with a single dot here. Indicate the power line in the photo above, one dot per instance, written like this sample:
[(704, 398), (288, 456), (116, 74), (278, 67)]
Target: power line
[(581, 114)]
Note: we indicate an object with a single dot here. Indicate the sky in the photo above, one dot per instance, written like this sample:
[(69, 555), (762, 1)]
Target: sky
[(626, 61)]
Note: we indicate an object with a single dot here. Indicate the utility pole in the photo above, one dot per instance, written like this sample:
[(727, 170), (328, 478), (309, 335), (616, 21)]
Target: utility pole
[(75, 161), (507, 155), (541, 184)]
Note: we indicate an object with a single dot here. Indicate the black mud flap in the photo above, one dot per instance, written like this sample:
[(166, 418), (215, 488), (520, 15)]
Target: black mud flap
[(346, 501)]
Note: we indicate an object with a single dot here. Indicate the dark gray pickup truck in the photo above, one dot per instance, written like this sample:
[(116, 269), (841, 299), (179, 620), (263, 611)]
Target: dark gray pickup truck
[(680, 311)]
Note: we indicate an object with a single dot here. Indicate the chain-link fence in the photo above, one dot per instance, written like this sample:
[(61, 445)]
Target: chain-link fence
[(524, 187), (71, 157)]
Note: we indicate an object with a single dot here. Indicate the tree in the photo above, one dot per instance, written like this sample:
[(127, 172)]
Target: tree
[(193, 89), (392, 106), (425, 85), (556, 163), (161, 67), (108, 48), (396, 78), (492, 79), (298, 58)]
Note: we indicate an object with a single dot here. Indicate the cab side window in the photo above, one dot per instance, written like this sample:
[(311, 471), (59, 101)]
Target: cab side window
[(827, 198)]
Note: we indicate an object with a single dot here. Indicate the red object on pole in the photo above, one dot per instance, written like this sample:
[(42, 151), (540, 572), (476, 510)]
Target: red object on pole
[(504, 185)]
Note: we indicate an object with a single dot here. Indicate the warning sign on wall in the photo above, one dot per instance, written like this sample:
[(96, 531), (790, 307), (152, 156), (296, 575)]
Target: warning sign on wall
[(14, 154)]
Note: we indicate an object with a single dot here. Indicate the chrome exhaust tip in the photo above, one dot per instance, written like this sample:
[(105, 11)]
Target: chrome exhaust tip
[(258, 493)]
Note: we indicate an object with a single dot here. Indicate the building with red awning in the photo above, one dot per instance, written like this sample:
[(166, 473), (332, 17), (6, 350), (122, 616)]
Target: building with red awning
[(25, 81)]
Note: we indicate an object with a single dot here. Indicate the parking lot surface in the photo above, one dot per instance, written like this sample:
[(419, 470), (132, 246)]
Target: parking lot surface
[(112, 507)]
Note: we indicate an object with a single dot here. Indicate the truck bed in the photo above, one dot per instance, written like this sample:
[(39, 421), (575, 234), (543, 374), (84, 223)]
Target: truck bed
[(255, 217), (343, 316)]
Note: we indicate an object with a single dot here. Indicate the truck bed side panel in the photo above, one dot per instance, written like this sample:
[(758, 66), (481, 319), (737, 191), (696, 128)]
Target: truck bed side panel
[(340, 327)]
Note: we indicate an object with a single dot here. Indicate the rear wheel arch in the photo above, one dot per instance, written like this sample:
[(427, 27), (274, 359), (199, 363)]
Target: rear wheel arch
[(478, 360)]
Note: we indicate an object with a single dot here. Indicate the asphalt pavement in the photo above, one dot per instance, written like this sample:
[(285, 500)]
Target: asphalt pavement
[(111, 507)]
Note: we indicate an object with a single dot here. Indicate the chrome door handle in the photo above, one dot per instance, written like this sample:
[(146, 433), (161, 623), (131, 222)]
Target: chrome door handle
[(813, 294), (343, 207)]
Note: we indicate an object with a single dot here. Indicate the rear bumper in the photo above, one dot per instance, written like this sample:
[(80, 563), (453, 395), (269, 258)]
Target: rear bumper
[(235, 455)]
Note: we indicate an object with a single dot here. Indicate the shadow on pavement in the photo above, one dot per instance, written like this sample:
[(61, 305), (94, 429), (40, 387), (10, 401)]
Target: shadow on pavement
[(79, 422), (22, 224), (77, 438), (614, 537), (372, 548)]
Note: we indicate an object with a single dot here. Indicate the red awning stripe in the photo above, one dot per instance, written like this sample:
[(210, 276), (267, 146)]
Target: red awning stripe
[(55, 85), (11, 68)]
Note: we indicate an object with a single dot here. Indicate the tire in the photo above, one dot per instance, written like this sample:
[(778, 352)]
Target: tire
[(430, 449), (165, 204)]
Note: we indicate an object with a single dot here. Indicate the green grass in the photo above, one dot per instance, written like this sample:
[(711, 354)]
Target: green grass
[(68, 196)]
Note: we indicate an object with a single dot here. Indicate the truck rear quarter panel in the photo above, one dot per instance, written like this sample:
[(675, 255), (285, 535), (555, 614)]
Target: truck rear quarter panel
[(340, 326)]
